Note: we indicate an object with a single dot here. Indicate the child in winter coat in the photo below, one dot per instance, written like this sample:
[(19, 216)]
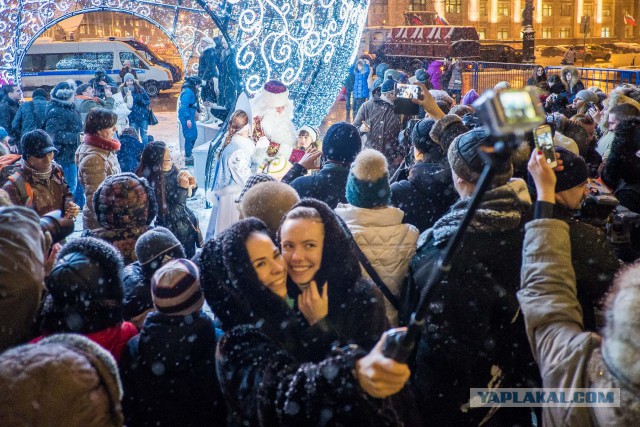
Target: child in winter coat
[(169, 370)]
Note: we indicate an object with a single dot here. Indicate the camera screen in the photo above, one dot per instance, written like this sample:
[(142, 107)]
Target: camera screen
[(517, 107), (407, 91), (544, 141)]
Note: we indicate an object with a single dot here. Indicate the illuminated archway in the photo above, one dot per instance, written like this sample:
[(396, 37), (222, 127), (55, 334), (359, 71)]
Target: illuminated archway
[(307, 44)]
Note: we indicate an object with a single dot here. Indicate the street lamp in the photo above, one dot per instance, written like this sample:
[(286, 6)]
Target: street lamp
[(528, 35)]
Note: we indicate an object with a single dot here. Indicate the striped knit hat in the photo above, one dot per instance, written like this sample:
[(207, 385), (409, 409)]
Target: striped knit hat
[(175, 288)]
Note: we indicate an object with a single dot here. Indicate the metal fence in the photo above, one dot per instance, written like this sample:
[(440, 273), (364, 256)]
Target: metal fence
[(483, 76), (606, 79)]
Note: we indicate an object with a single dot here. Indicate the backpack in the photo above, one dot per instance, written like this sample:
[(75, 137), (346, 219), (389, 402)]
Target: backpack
[(10, 171)]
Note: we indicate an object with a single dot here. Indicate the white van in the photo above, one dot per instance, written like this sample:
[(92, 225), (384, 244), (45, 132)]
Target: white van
[(48, 63)]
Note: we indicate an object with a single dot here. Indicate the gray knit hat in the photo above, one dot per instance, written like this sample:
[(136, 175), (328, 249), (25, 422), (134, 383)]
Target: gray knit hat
[(466, 162)]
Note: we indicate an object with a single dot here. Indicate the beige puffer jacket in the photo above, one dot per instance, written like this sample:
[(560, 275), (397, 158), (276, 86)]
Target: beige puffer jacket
[(567, 355), (387, 243), (94, 166), (64, 380), (21, 275)]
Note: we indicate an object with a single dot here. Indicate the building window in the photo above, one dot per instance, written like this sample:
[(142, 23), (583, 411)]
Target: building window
[(418, 5), (606, 9), (547, 9), (566, 10), (503, 33), (565, 33), (503, 8), (606, 32), (587, 10), (482, 33), (547, 33), (482, 8), (453, 6)]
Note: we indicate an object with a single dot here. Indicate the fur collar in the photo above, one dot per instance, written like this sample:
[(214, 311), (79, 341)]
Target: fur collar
[(60, 102), (501, 209), (98, 142), (600, 375)]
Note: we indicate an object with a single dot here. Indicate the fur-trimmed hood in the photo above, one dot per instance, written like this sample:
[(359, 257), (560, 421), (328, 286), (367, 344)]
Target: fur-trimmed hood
[(55, 102), (617, 96), (575, 76), (445, 130)]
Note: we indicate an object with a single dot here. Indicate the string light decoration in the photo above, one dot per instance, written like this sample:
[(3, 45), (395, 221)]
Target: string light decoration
[(307, 44)]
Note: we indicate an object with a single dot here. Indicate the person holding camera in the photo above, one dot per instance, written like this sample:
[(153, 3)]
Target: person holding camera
[(39, 182), (569, 357), (100, 82), (593, 258), (474, 336), (378, 122)]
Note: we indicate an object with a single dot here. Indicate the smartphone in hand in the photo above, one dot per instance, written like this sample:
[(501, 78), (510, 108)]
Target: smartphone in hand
[(544, 142)]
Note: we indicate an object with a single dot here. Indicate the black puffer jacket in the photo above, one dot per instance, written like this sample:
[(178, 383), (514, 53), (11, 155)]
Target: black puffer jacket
[(168, 373), (178, 218), (64, 125), (426, 195)]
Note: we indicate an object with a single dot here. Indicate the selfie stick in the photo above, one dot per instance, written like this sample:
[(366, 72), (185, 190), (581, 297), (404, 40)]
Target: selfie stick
[(400, 342)]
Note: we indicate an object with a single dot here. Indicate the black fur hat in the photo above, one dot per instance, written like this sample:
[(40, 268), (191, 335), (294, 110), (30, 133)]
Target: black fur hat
[(85, 288)]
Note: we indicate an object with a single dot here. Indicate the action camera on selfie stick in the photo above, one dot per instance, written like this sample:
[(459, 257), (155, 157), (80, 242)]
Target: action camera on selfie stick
[(507, 114)]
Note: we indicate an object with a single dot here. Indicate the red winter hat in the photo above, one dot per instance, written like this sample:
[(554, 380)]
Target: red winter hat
[(275, 94)]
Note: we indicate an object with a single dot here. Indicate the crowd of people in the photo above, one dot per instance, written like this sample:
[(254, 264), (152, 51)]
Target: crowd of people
[(318, 245)]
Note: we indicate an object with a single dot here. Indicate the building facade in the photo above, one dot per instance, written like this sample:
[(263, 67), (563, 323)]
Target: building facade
[(555, 22)]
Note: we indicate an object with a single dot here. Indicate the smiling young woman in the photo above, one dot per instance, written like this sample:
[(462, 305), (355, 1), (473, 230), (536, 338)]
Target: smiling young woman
[(325, 278)]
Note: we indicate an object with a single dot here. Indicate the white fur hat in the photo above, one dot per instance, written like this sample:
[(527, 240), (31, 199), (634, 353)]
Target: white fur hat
[(311, 131), (275, 94)]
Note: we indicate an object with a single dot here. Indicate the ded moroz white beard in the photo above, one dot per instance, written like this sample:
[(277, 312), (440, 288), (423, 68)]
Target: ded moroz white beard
[(278, 127)]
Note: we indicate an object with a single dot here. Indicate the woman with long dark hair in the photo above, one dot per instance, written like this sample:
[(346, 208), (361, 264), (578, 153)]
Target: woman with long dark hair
[(538, 75), (139, 116), (275, 369), (172, 188)]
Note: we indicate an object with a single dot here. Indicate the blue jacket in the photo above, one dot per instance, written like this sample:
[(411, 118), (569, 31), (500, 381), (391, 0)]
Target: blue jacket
[(361, 87), (140, 110), (187, 111), (30, 115), (130, 152)]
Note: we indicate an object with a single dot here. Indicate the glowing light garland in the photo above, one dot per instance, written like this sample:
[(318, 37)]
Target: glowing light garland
[(307, 44)]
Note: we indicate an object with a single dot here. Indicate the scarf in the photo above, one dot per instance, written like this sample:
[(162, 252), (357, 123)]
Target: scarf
[(38, 175), (98, 142), (501, 209)]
